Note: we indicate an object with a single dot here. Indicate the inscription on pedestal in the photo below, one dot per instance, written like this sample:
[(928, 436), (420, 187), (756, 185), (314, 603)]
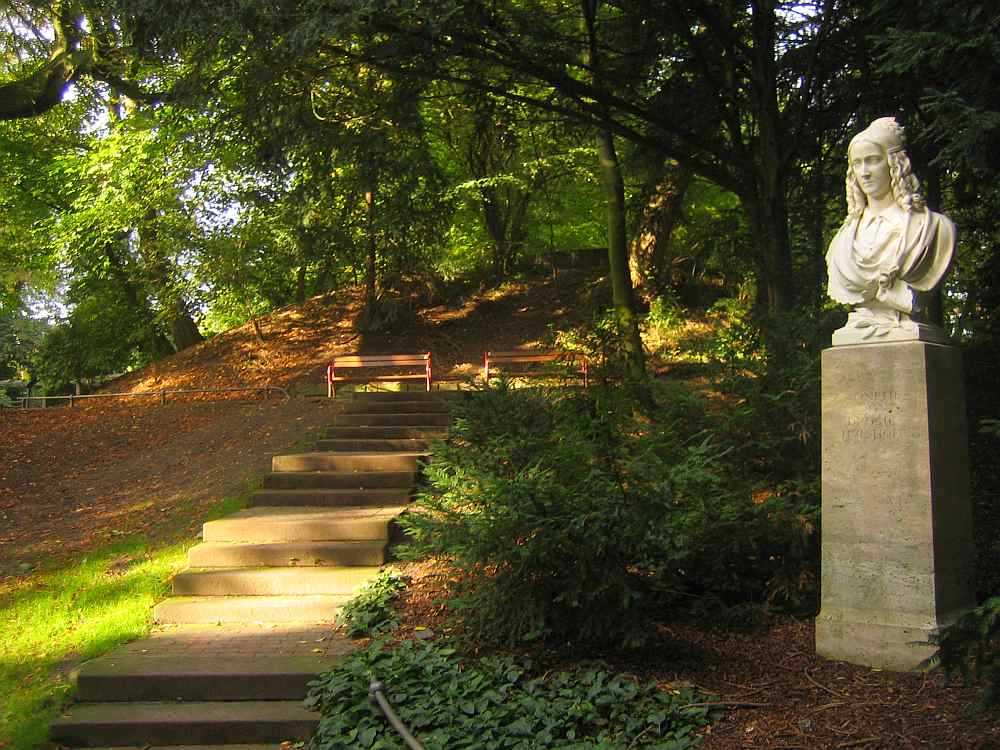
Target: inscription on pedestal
[(875, 423)]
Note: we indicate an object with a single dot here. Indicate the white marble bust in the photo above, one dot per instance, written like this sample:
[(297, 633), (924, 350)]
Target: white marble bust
[(892, 251)]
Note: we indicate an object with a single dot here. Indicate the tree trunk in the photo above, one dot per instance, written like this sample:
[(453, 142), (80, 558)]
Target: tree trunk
[(300, 284), (45, 87), (160, 276), (766, 201), (768, 217), (304, 246), (371, 288), (157, 345), (621, 280), (183, 330), (622, 294), (496, 227), (648, 256)]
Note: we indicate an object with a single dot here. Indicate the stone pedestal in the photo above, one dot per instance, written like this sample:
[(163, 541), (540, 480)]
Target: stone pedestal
[(896, 524)]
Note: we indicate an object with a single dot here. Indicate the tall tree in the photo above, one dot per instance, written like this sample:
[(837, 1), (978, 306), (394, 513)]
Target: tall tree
[(733, 90), (941, 62)]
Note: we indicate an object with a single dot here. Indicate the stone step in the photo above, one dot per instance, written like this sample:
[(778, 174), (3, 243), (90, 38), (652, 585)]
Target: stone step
[(322, 498), (380, 433), (208, 610), (268, 581), (174, 723), (397, 406), (392, 420), (130, 677), (306, 524), (333, 480), (344, 461), (385, 445), (287, 554)]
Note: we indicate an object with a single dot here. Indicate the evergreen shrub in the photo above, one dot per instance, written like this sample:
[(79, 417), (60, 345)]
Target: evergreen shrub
[(970, 647), (569, 518)]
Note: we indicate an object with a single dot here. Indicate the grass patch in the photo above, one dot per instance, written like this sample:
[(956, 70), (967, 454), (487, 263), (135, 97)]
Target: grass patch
[(56, 619)]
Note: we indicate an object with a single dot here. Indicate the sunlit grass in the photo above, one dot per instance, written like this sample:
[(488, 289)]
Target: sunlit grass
[(59, 618)]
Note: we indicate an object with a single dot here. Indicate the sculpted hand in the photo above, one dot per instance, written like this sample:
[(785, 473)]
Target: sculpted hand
[(886, 279), (896, 295)]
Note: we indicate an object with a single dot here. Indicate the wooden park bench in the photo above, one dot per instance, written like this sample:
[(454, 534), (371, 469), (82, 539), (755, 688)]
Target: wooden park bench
[(405, 362), (525, 358)]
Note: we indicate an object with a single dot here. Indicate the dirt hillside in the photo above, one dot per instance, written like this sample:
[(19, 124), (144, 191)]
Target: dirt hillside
[(71, 478)]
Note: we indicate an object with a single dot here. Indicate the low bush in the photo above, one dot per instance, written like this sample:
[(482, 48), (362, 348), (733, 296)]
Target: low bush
[(970, 648), (568, 518), (495, 703), (773, 393)]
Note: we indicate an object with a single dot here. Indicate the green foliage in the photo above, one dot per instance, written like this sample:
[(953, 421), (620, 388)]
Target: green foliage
[(770, 371), (368, 613), (990, 427), (924, 46), (737, 342), (664, 313), (571, 519), (661, 324), (102, 335), (770, 421), (494, 703), (601, 340), (970, 647), (983, 403), (744, 551), (20, 337)]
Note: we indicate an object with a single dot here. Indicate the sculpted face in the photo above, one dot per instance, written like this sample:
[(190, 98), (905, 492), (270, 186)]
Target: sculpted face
[(871, 169)]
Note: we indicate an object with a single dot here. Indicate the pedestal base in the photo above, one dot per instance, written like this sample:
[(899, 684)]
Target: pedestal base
[(912, 331), (859, 638), (897, 531)]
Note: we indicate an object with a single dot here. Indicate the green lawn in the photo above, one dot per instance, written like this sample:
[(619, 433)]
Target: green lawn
[(61, 617)]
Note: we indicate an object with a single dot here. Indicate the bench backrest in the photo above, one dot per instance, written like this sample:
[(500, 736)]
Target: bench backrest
[(381, 360), (350, 361), (524, 356), (527, 356)]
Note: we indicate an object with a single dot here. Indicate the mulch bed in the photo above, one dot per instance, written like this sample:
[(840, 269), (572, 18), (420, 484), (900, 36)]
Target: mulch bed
[(782, 696)]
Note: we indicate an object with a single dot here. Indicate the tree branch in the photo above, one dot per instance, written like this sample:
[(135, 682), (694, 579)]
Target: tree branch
[(40, 91), (43, 89)]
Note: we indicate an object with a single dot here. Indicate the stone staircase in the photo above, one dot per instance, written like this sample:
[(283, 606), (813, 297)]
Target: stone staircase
[(247, 626)]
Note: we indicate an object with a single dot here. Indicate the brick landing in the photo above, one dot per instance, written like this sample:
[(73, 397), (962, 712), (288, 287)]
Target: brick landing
[(242, 640)]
